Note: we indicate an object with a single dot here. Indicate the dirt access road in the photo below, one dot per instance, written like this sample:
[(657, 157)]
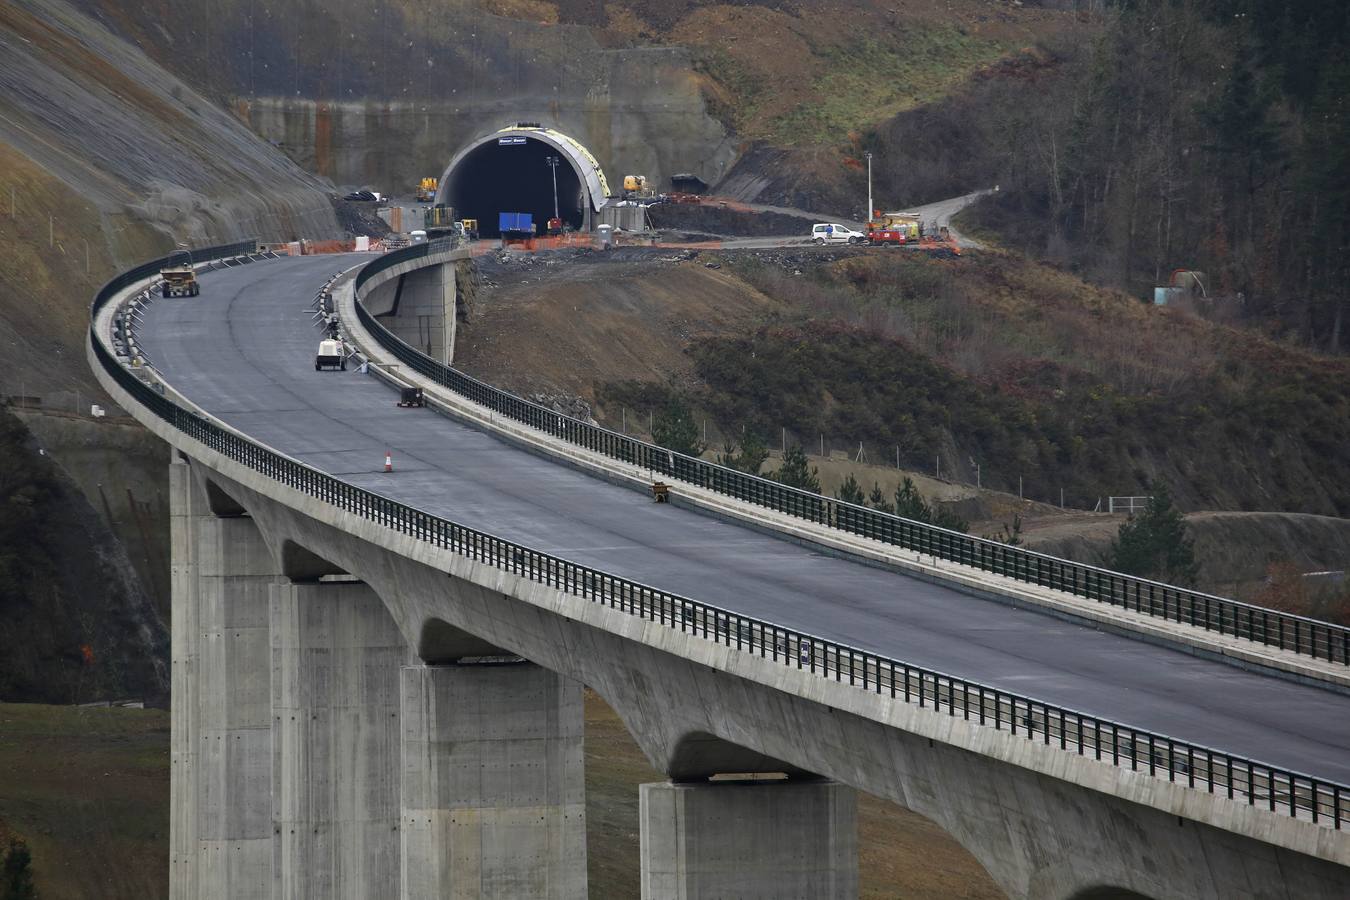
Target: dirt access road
[(939, 213)]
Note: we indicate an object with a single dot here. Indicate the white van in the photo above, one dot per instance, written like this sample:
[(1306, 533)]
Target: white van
[(834, 233)]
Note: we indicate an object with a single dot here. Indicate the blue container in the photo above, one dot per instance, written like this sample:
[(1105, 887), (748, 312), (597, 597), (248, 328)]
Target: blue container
[(515, 222)]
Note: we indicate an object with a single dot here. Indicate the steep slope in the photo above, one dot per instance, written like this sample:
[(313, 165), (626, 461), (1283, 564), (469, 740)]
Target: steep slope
[(105, 159), (771, 99)]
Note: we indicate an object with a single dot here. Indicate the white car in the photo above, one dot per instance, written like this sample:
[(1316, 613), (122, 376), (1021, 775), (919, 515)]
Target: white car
[(833, 233)]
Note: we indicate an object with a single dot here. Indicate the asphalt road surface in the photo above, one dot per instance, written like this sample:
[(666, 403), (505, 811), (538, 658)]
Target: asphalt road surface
[(244, 350)]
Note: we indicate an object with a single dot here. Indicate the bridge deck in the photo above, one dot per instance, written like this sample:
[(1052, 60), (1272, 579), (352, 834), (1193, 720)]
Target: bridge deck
[(244, 350)]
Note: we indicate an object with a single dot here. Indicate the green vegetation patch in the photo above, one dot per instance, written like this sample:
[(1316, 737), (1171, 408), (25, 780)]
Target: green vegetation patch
[(869, 80)]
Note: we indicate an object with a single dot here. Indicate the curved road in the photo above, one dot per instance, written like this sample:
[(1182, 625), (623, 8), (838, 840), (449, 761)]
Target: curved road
[(244, 350)]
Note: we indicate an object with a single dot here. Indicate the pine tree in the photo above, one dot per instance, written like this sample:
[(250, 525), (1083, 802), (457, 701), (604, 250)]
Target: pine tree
[(1154, 543), (16, 874), (749, 458), (877, 500), (851, 492), (909, 504), (675, 429), (796, 472)]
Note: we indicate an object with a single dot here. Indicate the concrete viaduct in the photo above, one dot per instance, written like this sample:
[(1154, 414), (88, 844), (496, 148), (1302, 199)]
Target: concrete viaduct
[(377, 676)]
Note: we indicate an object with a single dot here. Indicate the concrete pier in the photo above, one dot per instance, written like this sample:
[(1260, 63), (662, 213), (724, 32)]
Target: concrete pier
[(493, 783), (336, 655), (762, 839), (419, 307), (233, 764), (187, 507)]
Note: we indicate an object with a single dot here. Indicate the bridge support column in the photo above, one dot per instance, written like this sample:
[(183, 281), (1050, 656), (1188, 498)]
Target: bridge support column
[(336, 654), (233, 697), (493, 783), (422, 310), (187, 507), (749, 840)]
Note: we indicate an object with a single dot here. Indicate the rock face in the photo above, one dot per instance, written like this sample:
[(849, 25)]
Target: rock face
[(126, 136), (382, 94)]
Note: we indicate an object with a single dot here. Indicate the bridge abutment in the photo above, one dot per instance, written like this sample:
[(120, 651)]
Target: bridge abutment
[(336, 654), (493, 783), (748, 839)]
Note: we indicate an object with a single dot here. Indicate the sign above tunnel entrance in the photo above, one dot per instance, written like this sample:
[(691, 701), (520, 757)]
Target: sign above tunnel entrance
[(511, 141)]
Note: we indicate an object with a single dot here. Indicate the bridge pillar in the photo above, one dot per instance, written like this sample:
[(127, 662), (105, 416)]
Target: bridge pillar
[(226, 784), (336, 654), (419, 307), (187, 507), (493, 783), (762, 839)]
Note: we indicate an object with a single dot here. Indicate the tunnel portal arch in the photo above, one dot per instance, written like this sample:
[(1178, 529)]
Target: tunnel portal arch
[(505, 171)]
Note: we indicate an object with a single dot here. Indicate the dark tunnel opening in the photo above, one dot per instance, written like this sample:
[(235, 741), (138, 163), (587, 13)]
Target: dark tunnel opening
[(497, 178)]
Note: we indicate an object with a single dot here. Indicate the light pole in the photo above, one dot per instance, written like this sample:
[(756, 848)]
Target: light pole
[(553, 165), (868, 154)]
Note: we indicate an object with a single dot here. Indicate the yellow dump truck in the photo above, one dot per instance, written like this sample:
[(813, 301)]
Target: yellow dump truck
[(179, 281)]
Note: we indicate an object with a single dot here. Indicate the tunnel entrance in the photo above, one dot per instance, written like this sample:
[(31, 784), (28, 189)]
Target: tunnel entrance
[(512, 174)]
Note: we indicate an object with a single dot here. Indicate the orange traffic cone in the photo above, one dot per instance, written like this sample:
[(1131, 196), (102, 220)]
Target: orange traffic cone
[(388, 462)]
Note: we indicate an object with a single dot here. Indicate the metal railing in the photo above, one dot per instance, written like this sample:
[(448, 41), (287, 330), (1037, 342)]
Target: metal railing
[(1299, 634), (1202, 768)]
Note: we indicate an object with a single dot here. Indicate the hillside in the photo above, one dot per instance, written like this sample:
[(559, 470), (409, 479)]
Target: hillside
[(105, 160), (1207, 136), (90, 796), (771, 100), (1019, 367)]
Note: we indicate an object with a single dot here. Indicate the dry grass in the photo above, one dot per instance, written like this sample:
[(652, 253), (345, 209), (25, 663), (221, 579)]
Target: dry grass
[(88, 789), (811, 72), (985, 314), (57, 254)]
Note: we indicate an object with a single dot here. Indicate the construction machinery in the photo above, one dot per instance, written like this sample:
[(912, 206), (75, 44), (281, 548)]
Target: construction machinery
[(330, 355), (887, 237), (635, 187), (426, 190), (439, 217), (470, 228), (179, 281), (908, 224)]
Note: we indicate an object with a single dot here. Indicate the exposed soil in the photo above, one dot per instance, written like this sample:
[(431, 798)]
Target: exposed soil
[(561, 324), (720, 218)]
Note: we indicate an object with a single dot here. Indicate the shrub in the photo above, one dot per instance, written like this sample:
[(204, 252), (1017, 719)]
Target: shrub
[(1154, 543)]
